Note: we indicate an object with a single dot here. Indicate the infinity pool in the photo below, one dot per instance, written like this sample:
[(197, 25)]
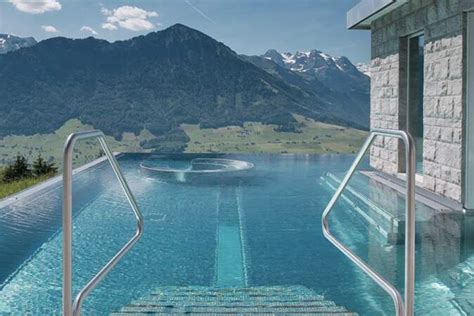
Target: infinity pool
[(261, 230)]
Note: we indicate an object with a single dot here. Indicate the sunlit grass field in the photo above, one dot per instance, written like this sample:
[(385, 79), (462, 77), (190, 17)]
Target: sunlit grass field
[(313, 137), (310, 138), (50, 146), (9, 188)]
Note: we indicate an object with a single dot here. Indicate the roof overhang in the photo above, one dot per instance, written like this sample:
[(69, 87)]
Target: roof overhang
[(361, 16)]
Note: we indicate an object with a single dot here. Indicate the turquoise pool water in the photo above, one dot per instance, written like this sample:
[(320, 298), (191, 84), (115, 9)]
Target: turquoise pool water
[(260, 230)]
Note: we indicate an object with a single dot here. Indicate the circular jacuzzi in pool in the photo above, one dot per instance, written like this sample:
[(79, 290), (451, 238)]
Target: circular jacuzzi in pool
[(198, 169)]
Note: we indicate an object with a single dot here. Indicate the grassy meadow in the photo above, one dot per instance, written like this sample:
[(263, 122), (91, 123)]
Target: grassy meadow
[(312, 137), (50, 146), (9, 188)]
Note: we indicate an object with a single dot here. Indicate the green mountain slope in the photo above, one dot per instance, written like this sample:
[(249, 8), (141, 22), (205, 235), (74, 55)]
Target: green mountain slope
[(154, 82)]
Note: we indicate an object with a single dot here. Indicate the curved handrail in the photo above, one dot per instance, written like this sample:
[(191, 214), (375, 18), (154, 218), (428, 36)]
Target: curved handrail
[(70, 308), (402, 307)]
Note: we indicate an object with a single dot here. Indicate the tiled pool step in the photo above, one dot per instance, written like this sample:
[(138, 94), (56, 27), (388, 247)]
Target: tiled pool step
[(383, 207), (460, 281), (389, 225), (252, 300), (449, 293)]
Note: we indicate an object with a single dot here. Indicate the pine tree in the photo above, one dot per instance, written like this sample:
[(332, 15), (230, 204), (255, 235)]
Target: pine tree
[(42, 167), (101, 153), (18, 170)]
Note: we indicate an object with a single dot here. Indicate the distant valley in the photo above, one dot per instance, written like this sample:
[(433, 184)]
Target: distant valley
[(163, 83)]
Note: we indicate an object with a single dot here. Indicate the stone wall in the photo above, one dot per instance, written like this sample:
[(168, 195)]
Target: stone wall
[(443, 109), (442, 23), (384, 112)]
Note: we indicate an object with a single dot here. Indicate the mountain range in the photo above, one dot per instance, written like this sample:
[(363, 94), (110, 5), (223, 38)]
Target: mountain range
[(337, 73), (364, 68), (334, 81), (10, 43), (161, 80)]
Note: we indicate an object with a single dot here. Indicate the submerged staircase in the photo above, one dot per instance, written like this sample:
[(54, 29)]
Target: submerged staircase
[(384, 219), (230, 294), (272, 300)]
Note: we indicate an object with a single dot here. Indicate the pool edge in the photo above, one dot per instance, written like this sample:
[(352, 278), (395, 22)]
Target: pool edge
[(8, 200)]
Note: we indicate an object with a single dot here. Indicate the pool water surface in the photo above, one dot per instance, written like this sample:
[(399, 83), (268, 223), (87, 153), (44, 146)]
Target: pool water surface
[(263, 229)]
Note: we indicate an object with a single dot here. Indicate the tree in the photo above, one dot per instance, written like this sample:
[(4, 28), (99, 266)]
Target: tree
[(101, 153), (18, 170), (42, 167)]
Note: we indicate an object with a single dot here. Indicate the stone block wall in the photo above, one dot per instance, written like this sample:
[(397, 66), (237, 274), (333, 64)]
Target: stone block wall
[(384, 111), (442, 22), (443, 113)]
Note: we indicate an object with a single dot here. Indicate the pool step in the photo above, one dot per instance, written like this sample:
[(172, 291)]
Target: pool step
[(460, 281), (387, 222), (246, 300)]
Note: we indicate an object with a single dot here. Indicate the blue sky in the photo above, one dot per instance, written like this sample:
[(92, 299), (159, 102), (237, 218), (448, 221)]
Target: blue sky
[(247, 26)]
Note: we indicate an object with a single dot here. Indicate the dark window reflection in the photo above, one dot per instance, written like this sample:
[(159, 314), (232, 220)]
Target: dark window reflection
[(415, 95)]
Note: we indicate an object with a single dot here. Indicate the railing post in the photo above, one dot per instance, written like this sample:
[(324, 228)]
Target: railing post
[(71, 308), (410, 220), (403, 307), (67, 225)]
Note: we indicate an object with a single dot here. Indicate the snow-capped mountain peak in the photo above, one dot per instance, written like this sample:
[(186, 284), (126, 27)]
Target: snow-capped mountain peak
[(9, 43), (288, 58), (313, 61), (364, 68), (337, 73)]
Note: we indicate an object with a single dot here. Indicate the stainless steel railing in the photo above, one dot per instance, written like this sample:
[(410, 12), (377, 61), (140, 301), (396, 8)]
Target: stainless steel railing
[(74, 308), (402, 307)]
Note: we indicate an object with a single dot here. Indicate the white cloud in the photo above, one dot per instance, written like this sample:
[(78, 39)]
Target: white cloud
[(88, 29), (136, 24), (109, 26), (128, 17), (36, 6), (105, 11), (49, 29)]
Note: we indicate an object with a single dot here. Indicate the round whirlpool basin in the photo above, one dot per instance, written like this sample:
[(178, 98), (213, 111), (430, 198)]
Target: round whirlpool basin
[(198, 170)]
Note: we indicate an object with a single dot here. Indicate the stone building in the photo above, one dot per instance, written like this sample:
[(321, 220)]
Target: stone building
[(422, 70)]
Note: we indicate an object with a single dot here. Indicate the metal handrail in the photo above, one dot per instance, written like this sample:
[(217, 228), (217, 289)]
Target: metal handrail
[(402, 307), (74, 308)]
